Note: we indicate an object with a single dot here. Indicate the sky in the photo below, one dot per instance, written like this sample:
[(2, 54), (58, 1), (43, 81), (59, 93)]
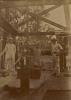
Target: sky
[(58, 15)]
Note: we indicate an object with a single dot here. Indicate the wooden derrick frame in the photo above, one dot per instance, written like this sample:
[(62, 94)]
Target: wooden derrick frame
[(9, 28)]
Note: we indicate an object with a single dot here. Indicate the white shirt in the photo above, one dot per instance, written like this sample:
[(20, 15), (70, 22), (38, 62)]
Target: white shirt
[(10, 50), (56, 47)]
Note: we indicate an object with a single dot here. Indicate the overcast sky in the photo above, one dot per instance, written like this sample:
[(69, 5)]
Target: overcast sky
[(58, 16)]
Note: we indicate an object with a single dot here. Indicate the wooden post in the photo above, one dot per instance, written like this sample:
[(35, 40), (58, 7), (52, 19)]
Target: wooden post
[(4, 39), (67, 19)]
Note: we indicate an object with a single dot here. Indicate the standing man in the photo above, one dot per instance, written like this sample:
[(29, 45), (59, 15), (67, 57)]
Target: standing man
[(55, 48), (10, 51)]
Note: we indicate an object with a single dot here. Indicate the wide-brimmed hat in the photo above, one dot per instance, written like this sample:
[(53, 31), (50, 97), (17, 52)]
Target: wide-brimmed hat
[(53, 37), (47, 36), (9, 39)]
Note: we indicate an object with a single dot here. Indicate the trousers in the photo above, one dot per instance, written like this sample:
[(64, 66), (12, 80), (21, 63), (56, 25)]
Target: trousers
[(10, 63), (56, 66)]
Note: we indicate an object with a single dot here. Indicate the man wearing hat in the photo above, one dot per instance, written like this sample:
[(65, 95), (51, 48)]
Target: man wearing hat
[(55, 48)]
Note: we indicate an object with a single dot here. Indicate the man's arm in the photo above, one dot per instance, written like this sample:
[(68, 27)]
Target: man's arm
[(60, 47)]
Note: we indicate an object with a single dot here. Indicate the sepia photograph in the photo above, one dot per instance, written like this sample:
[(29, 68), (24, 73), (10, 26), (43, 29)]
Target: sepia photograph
[(35, 49)]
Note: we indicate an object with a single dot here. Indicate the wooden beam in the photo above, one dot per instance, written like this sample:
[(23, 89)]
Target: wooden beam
[(49, 9), (7, 27), (67, 15), (47, 20), (41, 13), (33, 16), (52, 23), (21, 3)]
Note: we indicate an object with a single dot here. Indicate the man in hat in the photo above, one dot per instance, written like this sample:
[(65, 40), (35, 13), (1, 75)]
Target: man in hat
[(10, 51), (56, 48)]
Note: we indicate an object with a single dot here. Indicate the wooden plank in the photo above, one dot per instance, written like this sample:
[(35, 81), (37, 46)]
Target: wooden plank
[(7, 27), (41, 13), (33, 16), (49, 9), (53, 23), (21, 3), (67, 16)]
